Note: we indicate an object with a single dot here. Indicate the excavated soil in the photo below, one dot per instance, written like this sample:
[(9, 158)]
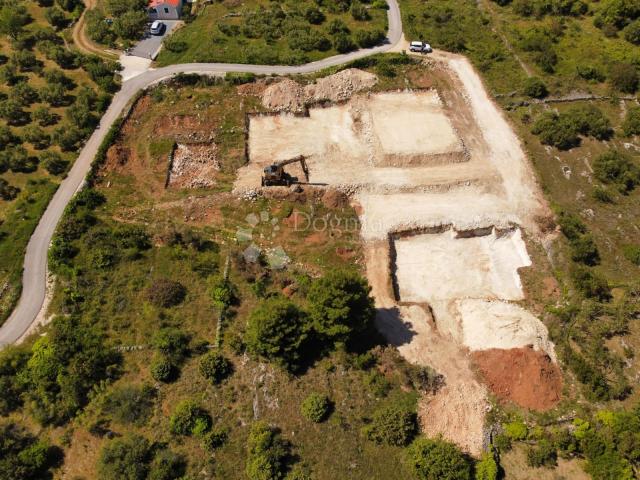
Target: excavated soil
[(194, 166), (521, 375), (288, 95)]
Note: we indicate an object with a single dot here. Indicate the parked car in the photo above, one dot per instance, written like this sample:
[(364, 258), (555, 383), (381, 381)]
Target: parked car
[(157, 28), (420, 47)]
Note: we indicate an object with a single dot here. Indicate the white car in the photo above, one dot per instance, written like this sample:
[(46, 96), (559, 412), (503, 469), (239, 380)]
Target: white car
[(157, 28), (420, 47)]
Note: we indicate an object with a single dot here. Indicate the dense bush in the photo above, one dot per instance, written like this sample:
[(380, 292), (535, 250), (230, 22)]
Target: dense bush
[(23, 456), (624, 77), (215, 439), (585, 250), (369, 38), (222, 292), (166, 293), (438, 460), (163, 369), (215, 367), (267, 453), (563, 130), (125, 458), (392, 425), (516, 430), (12, 361), (590, 283), (316, 407), (189, 419), (487, 467), (542, 455), (340, 306), (631, 123), (618, 168), (277, 331), (63, 367), (535, 88)]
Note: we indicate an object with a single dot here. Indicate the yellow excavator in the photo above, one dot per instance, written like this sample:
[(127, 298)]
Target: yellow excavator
[(274, 174)]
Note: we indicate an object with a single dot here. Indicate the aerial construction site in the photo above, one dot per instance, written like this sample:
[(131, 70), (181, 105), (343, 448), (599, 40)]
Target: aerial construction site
[(447, 203)]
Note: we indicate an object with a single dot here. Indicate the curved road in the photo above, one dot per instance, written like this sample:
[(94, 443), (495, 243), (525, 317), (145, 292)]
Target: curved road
[(35, 262)]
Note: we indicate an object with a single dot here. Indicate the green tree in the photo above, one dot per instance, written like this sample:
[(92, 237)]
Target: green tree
[(438, 460), (267, 453), (125, 458), (130, 24), (12, 111), (53, 162), (215, 367), (277, 331), (632, 32), (13, 17), (23, 456), (63, 367), (340, 306), (392, 425), (167, 465), (171, 342), (316, 407), (56, 18), (162, 369), (189, 419)]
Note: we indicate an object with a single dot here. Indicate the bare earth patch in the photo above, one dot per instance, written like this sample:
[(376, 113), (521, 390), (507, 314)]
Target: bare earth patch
[(194, 166), (524, 376)]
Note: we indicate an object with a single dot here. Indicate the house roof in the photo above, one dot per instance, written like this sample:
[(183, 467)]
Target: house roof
[(173, 3)]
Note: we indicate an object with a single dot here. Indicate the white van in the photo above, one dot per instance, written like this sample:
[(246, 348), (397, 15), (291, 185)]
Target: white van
[(157, 28), (420, 47)]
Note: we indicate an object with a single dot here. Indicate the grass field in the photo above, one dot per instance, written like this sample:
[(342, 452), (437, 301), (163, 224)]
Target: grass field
[(226, 32)]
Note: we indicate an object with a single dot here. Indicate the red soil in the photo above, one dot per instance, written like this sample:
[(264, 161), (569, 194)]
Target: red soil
[(521, 375)]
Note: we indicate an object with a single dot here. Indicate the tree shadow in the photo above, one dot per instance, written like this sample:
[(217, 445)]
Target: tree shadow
[(390, 323)]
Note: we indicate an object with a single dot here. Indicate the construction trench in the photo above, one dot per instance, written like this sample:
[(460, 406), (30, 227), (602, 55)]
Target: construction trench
[(446, 198)]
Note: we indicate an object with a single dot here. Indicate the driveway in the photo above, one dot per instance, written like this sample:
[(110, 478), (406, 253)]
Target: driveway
[(149, 47)]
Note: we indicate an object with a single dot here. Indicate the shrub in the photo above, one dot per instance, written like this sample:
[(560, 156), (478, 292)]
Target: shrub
[(359, 11), (392, 425), (315, 407), (632, 32), (602, 195), (166, 293), (585, 250), (632, 253), (340, 306), (167, 465), (189, 419), (214, 367), (624, 77), (590, 284), (617, 167), (556, 130), (277, 331), (543, 455), (631, 123), (215, 439), (343, 43), (8, 192), (162, 369), (487, 467), (438, 460), (516, 430), (222, 292), (267, 453), (130, 404), (171, 342), (590, 72), (535, 88), (23, 456), (369, 38), (125, 458)]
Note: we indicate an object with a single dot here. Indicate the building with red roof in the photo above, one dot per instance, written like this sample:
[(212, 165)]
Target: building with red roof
[(165, 9)]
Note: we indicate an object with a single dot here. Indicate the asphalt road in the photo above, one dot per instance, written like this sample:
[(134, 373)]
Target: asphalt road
[(35, 262)]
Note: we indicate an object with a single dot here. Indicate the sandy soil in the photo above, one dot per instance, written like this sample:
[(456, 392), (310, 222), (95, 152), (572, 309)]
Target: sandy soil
[(521, 375), (480, 266)]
